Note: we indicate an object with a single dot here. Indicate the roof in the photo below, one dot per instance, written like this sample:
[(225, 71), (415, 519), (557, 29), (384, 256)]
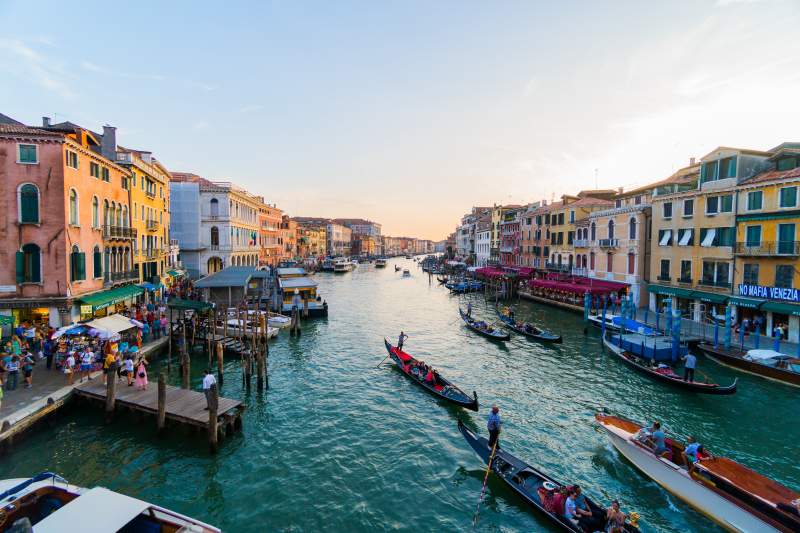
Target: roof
[(110, 511), (296, 283), (290, 271), (745, 151), (5, 119), (194, 305), (232, 276), (588, 201), (773, 175), (25, 130)]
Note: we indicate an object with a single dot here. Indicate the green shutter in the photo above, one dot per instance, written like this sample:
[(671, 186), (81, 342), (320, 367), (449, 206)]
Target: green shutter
[(81, 266), (36, 268), (29, 204), (732, 167), (20, 267), (98, 267)]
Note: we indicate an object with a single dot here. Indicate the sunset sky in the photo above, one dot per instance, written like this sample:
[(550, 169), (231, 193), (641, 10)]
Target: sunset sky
[(405, 112)]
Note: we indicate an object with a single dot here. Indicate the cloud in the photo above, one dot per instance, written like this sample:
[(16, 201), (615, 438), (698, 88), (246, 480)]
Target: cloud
[(97, 69), (91, 67), (199, 85), (28, 63)]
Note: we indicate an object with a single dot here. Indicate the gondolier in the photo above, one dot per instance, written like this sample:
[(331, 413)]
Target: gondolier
[(493, 425), (689, 364), (400, 340)]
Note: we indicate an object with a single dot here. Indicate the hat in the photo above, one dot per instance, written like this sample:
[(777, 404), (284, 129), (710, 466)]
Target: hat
[(549, 485)]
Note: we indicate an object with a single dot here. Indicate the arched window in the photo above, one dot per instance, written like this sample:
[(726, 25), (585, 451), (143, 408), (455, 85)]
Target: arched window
[(214, 207), (77, 262), (73, 207), (125, 216), (214, 236), (29, 264), (609, 262), (591, 261), (594, 231), (95, 212), (610, 229), (29, 204), (632, 229), (569, 260), (119, 215), (97, 262), (631, 263), (105, 212)]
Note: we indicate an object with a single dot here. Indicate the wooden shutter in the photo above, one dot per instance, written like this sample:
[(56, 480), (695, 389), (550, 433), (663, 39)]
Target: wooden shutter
[(20, 267), (81, 265)]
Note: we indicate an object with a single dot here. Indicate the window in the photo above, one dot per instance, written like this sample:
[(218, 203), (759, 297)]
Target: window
[(617, 203), (727, 168), (726, 203), (750, 276), (72, 159), (664, 272), (667, 209), (77, 262), (104, 173), (95, 213), (594, 232), (686, 271), (788, 197), (214, 236), (712, 205), (716, 273), (27, 154), (726, 236), (631, 263), (664, 237), (97, 260), (753, 236), (610, 229), (570, 237), (755, 200), (73, 207), (688, 207), (561, 219), (786, 243), (609, 262), (784, 275), (632, 228), (560, 237), (686, 237), (788, 163), (28, 204), (591, 260), (638, 200), (214, 207), (29, 261), (94, 169), (708, 172), (571, 217)]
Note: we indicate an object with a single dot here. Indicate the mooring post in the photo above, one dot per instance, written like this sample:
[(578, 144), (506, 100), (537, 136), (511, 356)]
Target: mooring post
[(162, 402), (219, 362), (184, 359), (169, 353), (213, 405), (111, 391)]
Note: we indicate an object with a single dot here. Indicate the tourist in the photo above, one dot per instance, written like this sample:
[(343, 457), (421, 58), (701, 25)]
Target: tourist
[(693, 452), (689, 364), (141, 374), (429, 377), (400, 340), (27, 369), (163, 323), (69, 368), (109, 365), (127, 369), (570, 511), (87, 360), (615, 519), (145, 331), (659, 439), (585, 517), (494, 424), (208, 381), (469, 309), (12, 367)]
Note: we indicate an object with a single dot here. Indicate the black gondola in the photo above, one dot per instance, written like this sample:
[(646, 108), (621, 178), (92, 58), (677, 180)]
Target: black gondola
[(667, 375), (488, 332), (529, 330), (531, 484), (441, 280), (442, 389)]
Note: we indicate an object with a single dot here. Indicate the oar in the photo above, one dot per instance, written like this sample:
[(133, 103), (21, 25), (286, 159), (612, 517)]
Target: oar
[(483, 489)]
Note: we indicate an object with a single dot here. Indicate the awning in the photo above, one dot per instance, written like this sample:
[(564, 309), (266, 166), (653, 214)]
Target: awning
[(116, 509), (709, 238), (780, 307), (672, 291), (711, 297), (686, 236), (102, 299), (194, 305), (750, 303), (112, 323), (150, 286), (173, 273), (6, 320), (665, 238)]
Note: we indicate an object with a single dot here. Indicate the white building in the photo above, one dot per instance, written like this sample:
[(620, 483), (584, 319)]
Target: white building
[(483, 243), (338, 240)]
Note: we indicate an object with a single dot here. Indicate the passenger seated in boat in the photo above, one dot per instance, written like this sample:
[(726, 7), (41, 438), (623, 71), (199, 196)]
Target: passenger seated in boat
[(615, 519), (587, 520), (430, 377), (547, 493), (694, 452), (570, 509)]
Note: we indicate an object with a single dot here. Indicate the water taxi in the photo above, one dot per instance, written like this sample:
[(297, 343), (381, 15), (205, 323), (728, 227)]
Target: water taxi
[(47, 503), (406, 273), (737, 498), (340, 264), (380, 263), (327, 265), (768, 364)]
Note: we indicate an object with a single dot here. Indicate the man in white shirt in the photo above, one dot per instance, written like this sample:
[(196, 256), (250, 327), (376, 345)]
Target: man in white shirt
[(208, 381)]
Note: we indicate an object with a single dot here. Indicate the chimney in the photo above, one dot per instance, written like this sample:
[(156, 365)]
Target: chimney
[(108, 147), (45, 122), (691, 161)]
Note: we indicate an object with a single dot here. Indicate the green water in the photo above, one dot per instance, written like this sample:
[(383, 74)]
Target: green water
[(337, 444)]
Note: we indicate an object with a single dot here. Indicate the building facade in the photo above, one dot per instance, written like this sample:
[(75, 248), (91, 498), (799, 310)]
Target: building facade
[(338, 240), (269, 228)]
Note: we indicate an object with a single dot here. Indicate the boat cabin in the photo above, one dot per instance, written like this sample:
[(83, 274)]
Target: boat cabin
[(293, 272), (306, 287)]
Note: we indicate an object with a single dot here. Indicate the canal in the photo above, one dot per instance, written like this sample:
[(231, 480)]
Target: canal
[(339, 444)]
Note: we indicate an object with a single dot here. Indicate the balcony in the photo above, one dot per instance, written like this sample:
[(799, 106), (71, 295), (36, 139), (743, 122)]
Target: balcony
[(784, 248), (664, 278), (507, 249), (150, 193), (152, 225), (608, 243), (581, 243), (557, 267), (153, 253), (111, 231), (118, 277), (580, 272), (686, 281), (713, 283)]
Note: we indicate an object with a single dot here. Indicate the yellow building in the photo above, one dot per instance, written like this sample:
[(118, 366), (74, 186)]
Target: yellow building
[(149, 200), (563, 218)]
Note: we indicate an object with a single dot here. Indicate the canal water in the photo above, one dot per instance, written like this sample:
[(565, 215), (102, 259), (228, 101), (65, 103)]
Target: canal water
[(341, 444)]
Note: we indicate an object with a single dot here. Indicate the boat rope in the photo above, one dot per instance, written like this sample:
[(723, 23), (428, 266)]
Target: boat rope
[(483, 489)]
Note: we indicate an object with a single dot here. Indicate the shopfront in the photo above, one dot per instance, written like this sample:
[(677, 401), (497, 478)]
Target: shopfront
[(777, 306), (104, 303), (681, 299)]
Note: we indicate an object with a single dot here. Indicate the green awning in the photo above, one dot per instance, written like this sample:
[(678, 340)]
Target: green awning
[(102, 299), (194, 305), (781, 307), (780, 215), (712, 297), (750, 303), (672, 291)]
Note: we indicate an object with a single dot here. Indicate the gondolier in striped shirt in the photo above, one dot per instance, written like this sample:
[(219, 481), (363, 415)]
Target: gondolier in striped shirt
[(493, 425), (400, 340)]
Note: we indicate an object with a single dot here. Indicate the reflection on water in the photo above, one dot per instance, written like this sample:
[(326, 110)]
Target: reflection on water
[(340, 444)]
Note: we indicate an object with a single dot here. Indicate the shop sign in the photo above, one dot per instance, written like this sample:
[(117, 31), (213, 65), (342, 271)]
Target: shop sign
[(86, 310), (8, 288), (772, 293)]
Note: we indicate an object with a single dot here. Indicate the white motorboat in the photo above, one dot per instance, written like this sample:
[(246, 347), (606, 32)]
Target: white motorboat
[(406, 273), (250, 326), (340, 264), (380, 262), (327, 265), (737, 498), (47, 503)]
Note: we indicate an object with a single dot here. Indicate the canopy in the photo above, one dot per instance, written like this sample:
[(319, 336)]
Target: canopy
[(109, 510), (150, 286), (764, 355), (111, 324), (102, 299), (74, 329), (296, 283), (574, 288), (711, 297), (194, 305), (780, 307), (672, 291), (751, 303)]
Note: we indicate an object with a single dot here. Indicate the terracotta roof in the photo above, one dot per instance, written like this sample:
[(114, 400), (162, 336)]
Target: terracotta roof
[(773, 175), (20, 129), (588, 201), (188, 177)]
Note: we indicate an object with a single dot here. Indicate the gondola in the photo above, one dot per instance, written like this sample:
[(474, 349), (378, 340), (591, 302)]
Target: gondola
[(667, 375), (531, 484), (494, 334), (396, 268), (532, 333), (441, 280), (442, 389)]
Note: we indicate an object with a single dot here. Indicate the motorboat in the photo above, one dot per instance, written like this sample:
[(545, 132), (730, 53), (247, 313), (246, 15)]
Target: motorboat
[(237, 327), (765, 363), (406, 273), (617, 322), (327, 265), (736, 497), (47, 503), (380, 263), (340, 265)]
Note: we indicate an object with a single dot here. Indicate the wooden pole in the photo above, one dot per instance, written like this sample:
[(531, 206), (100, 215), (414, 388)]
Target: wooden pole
[(111, 391), (169, 353), (184, 357), (162, 402), (219, 362), (213, 405)]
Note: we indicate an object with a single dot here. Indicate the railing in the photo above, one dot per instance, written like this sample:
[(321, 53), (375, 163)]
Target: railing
[(149, 193), (712, 283), (111, 231), (507, 249), (581, 243), (153, 253), (580, 272), (608, 243), (152, 225), (556, 266), (790, 248), (126, 275), (664, 278), (685, 280)]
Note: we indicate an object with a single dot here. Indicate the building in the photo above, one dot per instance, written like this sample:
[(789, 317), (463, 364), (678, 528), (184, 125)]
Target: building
[(511, 236), (65, 246), (338, 239), (224, 231), (269, 229), (563, 218), (364, 245), (148, 184), (360, 226), (483, 241), (311, 241), (288, 239)]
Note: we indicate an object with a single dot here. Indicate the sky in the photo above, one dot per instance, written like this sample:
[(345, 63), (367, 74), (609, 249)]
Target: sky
[(409, 113)]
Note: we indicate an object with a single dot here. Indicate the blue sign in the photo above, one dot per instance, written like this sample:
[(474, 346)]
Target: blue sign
[(772, 293)]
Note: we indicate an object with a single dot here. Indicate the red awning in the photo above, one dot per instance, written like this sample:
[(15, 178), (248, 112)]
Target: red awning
[(576, 286)]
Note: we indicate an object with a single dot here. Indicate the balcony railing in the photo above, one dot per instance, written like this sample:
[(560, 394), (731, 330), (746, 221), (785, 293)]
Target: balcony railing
[(507, 249), (687, 281), (556, 266), (152, 225), (712, 283), (581, 243), (115, 277), (608, 243), (580, 272), (153, 253), (150, 193), (788, 248), (664, 278), (111, 231)]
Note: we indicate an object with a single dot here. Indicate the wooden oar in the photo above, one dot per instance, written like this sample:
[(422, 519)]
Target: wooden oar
[(483, 489)]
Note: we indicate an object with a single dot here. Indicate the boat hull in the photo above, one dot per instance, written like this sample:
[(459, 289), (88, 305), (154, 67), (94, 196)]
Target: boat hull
[(677, 481), (719, 355)]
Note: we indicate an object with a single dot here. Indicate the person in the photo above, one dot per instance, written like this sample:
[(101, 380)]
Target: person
[(429, 377), (127, 369), (570, 510), (87, 359), (614, 517), (689, 364), (145, 331), (694, 452), (494, 424), (27, 369), (469, 309), (141, 374), (109, 364), (400, 340), (12, 367), (163, 323), (69, 367), (208, 381)]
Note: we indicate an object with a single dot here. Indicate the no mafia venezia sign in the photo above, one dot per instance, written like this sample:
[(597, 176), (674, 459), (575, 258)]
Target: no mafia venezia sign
[(772, 293)]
